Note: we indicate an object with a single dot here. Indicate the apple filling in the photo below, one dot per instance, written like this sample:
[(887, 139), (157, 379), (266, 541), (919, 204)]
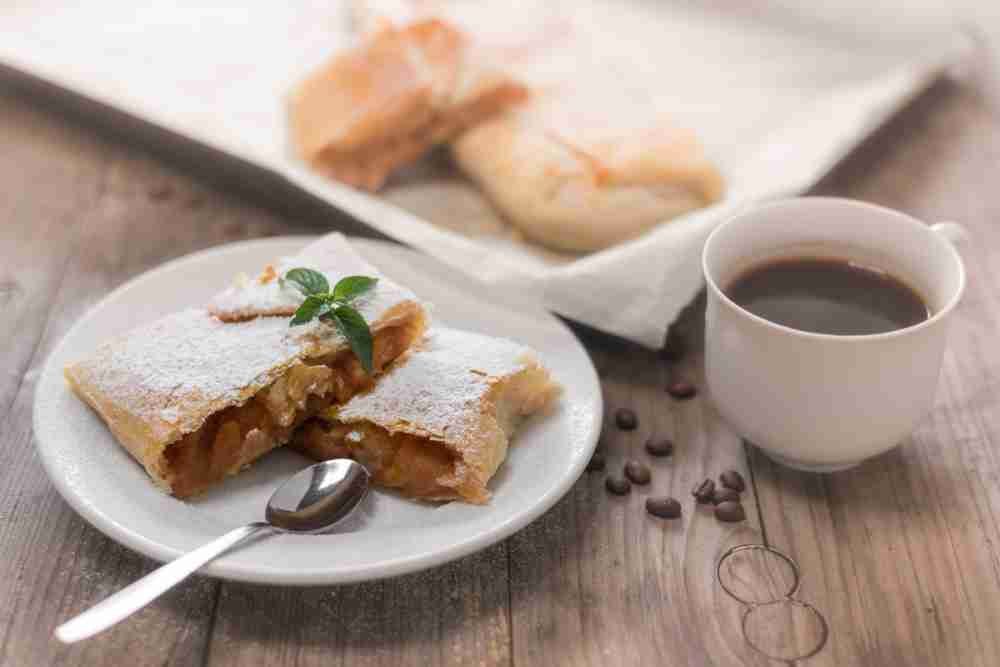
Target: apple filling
[(395, 460), (236, 436)]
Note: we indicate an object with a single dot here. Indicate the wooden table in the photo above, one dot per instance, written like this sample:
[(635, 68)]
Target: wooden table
[(901, 555)]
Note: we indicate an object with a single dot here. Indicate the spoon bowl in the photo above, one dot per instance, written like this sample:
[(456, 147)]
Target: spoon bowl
[(316, 499)]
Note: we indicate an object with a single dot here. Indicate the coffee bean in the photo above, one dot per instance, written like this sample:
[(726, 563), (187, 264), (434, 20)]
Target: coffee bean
[(637, 472), (617, 485), (703, 491), (662, 447), (681, 390), (723, 495), (733, 480), (626, 419), (665, 507), (730, 511), (596, 463)]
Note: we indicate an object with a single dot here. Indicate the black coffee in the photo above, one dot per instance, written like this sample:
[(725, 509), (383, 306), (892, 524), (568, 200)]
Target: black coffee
[(829, 296)]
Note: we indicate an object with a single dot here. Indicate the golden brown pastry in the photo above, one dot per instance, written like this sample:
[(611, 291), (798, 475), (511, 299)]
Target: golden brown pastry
[(436, 426), (591, 159), (195, 398), (574, 182), (386, 102)]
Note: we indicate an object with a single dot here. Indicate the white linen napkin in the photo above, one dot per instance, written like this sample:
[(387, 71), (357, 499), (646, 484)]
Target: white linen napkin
[(778, 92)]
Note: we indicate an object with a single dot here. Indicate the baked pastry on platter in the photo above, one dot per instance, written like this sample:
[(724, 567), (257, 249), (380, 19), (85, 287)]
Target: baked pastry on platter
[(389, 100), (198, 395), (436, 426), (571, 180), (593, 158)]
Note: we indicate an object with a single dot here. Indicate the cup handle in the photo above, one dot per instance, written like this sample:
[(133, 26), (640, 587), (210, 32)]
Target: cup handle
[(955, 233)]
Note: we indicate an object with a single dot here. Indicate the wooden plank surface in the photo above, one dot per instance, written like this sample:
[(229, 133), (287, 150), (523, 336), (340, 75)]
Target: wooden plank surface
[(453, 615), (598, 580), (911, 538), (63, 249), (900, 554)]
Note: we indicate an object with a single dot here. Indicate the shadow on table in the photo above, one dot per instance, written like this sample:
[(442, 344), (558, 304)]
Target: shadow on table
[(440, 610), (459, 608)]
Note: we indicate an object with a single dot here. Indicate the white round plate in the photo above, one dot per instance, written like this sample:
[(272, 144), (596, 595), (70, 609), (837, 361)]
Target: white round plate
[(388, 535)]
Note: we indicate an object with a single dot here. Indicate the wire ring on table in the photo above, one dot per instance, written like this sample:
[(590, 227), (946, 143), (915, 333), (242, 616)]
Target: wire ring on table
[(821, 642), (788, 598), (758, 547)]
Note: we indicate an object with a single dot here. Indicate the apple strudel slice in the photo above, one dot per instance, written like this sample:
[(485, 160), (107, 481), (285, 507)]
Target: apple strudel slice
[(385, 103), (595, 157), (437, 425), (195, 398)]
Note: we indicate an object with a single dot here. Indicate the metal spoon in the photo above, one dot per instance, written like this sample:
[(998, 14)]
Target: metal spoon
[(312, 501)]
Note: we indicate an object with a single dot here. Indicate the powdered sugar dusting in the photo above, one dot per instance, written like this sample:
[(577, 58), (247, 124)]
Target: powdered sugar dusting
[(440, 386), (331, 255), (173, 373), (171, 369)]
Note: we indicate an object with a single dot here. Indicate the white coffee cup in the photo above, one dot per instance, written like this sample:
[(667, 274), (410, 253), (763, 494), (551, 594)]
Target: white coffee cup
[(822, 402)]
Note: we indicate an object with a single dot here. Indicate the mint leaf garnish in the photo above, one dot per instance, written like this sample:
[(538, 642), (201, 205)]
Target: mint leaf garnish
[(352, 286), (314, 306), (308, 281), (356, 331), (335, 307)]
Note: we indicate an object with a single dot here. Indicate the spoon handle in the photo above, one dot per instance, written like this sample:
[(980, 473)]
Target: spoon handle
[(137, 595)]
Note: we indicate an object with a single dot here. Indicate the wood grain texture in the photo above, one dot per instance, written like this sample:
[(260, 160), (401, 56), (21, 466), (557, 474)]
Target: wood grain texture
[(598, 580), (901, 554), (67, 249), (82, 214), (453, 615)]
